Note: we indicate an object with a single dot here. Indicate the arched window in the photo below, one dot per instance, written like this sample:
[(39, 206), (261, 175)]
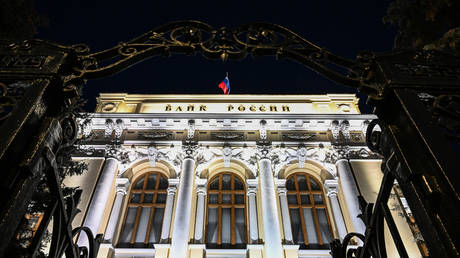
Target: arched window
[(310, 223), (144, 214), (226, 212)]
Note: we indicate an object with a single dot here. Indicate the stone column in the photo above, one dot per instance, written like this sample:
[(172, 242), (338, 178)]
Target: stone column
[(180, 236), (331, 188), (122, 185), (350, 193), (200, 208), (282, 192), (273, 246), (252, 205), (168, 210), (99, 201)]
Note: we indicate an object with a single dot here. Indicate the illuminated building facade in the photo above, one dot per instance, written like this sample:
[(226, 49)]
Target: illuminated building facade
[(228, 175)]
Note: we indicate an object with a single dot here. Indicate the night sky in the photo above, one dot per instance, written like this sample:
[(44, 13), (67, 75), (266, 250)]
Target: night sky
[(343, 27)]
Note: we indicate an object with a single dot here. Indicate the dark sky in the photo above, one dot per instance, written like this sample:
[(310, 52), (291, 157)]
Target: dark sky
[(343, 27)]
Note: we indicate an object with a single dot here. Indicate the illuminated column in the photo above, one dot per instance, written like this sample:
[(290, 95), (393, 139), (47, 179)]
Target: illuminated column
[(122, 185), (331, 188), (252, 205), (350, 193), (180, 235), (282, 192), (200, 208), (168, 210), (273, 246), (99, 201)]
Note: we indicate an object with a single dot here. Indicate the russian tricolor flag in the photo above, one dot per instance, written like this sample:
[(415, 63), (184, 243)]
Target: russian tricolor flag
[(225, 85)]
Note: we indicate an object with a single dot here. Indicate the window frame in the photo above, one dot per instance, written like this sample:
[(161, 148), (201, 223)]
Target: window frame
[(219, 207), (140, 205), (313, 207)]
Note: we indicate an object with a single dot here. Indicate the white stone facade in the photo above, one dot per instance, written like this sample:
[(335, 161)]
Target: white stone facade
[(263, 150)]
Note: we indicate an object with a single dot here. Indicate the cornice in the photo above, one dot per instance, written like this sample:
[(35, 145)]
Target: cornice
[(187, 116), (226, 98)]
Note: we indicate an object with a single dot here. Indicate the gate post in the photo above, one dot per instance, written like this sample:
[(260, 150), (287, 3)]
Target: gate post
[(36, 119)]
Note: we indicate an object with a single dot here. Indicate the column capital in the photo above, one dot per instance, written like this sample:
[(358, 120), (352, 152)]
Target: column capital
[(341, 159), (171, 190), (331, 187), (282, 191), (264, 149), (122, 185), (189, 148), (113, 151), (252, 186), (201, 190), (251, 191)]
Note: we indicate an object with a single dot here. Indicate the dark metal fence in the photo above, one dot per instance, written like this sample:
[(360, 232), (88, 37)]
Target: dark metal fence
[(416, 95)]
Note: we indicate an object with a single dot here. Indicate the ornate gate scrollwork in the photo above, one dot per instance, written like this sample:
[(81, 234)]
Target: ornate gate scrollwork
[(39, 83), (191, 37)]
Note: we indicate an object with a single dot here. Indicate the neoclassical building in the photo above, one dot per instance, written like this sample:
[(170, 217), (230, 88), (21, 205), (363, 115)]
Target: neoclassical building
[(228, 175)]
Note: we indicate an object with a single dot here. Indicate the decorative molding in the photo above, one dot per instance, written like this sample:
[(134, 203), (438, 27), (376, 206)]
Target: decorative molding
[(364, 127), (335, 129), (173, 182), (129, 155), (191, 129), (245, 155), (263, 130), (155, 135), (227, 136), (227, 154), (118, 128), (348, 152), (345, 129), (152, 155), (301, 156), (340, 127), (109, 125), (299, 136)]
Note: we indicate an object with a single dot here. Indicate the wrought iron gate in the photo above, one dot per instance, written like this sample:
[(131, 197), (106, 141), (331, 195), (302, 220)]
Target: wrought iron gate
[(416, 95)]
